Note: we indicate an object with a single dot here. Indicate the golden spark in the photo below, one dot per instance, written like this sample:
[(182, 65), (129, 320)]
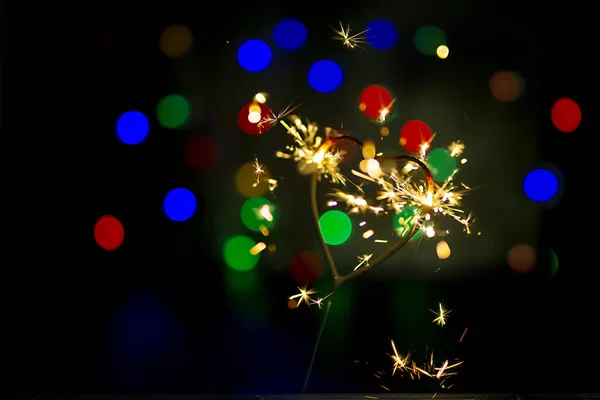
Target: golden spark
[(441, 315), (350, 41)]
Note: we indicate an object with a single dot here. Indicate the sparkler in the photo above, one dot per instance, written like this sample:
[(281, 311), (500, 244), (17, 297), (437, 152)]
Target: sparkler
[(315, 154)]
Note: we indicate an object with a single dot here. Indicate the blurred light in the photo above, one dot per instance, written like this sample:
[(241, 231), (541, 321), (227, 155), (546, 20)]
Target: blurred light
[(373, 100), (441, 164), (236, 253), (245, 181), (257, 212), (540, 185), (290, 34), (260, 98), (443, 51), (382, 34), (429, 231), (144, 333), (373, 168), (404, 220), (132, 127), (306, 267), (200, 153), (258, 127), (428, 39), (507, 86), (180, 204), (443, 250), (368, 150), (254, 55), (384, 131), (553, 263), (368, 234), (521, 258), (566, 115), (325, 76), (109, 232), (349, 149), (172, 111), (175, 41), (335, 227), (414, 134), (254, 117)]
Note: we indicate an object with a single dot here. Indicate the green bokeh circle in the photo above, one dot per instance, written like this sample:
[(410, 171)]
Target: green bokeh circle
[(172, 111), (236, 253), (441, 164), (250, 214), (335, 226)]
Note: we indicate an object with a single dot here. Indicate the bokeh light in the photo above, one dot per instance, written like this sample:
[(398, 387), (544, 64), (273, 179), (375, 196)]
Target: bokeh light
[(306, 267), (175, 41), (173, 111), (349, 149), (200, 153), (404, 220), (258, 213), (132, 127), (521, 258), (442, 52), (540, 185), (236, 253), (245, 181), (143, 334), (325, 76), (374, 99), (566, 115), (428, 39), (254, 55), (414, 134), (382, 34), (290, 34), (335, 226), (553, 263), (443, 250), (441, 164), (507, 86), (180, 204), (109, 232), (258, 127)]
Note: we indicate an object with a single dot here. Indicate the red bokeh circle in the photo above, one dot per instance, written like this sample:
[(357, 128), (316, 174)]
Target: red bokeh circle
[(255, 128), (200, 153), (413, 134), (566, 115), (109, 232), (306, 267), (373, 99)]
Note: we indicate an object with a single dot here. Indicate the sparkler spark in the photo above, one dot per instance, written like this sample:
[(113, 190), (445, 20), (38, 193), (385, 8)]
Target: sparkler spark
[(350, 41), (363, 260), (313, 153), (441, 315), (401, 188), (260, 172), (428, 370), (303, 296)]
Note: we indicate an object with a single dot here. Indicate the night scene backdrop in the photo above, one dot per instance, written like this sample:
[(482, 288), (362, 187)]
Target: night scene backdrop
[(137, 269)]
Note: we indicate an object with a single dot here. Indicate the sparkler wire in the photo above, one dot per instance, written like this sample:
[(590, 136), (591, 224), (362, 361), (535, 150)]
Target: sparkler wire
[(314, 353)]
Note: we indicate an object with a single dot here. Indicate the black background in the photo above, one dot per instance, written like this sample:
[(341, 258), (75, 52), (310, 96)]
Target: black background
[(62, 169)]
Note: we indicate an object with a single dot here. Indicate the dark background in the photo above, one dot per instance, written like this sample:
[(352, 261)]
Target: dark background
[(159, 315)]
